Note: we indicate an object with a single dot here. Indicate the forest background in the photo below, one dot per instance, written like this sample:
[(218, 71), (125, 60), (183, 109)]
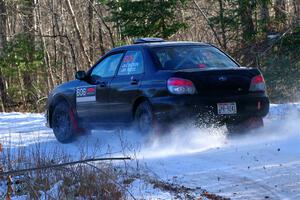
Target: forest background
[(44, 42)]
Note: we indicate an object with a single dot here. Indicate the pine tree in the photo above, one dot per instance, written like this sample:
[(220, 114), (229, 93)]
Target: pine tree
[(145, 18)]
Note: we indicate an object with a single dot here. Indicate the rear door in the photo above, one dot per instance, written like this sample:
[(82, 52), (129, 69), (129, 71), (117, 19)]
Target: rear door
[(125, 86), (92, 95)]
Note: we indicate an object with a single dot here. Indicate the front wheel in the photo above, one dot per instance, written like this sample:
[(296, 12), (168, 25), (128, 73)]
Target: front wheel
[(239, 127), (62, 123)]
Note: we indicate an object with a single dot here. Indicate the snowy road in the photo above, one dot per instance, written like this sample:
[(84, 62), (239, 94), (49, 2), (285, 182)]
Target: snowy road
[(260, 165)]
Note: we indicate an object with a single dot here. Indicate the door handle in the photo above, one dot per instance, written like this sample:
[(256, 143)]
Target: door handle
[(102, 84), (134, 82)]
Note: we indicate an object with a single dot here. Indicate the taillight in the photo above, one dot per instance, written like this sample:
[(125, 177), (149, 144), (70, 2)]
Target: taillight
[(181, 86), (257, 84)]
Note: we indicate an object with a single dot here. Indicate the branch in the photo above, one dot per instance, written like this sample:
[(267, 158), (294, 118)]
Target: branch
[(272, 45), (208, 22), (16, 172), (103, 21), (51, 36), (78, 33)]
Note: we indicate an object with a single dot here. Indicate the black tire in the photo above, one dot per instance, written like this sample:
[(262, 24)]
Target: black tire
[(144, 119), (62, 124), (244, 126)]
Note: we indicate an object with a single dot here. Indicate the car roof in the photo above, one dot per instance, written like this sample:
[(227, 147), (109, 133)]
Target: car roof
[(160, 44)]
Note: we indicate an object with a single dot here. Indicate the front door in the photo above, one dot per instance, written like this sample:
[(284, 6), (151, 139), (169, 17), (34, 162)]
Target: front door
[(92, 95), (125, 86)]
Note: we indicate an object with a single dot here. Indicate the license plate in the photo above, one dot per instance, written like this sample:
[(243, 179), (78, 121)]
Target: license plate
[(227, 108)]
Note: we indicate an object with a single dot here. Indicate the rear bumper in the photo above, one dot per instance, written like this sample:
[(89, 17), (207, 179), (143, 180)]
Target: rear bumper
[(180, 107)]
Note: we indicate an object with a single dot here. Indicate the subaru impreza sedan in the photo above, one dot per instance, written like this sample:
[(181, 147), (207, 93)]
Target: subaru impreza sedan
[(154, 83)]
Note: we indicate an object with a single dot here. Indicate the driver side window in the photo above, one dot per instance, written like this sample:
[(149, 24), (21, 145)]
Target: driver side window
[(108, 66)]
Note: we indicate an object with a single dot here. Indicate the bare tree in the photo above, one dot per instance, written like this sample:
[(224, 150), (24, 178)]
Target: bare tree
[(3, 95), (69, 35), (80, 39), (280, 11), (223, 31), (296, 4), (246, 12), (91, 28), (208, 22), (2, 25), (265, 16), (28, 28)]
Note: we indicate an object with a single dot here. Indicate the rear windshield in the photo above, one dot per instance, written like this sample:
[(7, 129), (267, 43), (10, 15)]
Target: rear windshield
[(188, 57)]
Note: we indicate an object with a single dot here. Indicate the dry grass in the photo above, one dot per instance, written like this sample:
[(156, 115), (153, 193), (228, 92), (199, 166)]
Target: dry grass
[(81, 181), (92, 180)]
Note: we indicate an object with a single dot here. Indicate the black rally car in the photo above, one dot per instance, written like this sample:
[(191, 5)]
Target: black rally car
[(153, 82)]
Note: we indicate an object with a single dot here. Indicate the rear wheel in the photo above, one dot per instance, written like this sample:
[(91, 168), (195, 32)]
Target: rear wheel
[(62, 123), (144, 118), (238, 127)]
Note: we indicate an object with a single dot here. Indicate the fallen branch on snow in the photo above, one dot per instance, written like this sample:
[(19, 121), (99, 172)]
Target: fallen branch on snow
[(17, 172)]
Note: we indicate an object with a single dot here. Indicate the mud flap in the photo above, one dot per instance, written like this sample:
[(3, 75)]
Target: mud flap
[(245, 125), (254, 123)]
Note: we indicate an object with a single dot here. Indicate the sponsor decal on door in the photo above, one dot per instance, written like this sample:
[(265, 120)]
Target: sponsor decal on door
[(85, 94)]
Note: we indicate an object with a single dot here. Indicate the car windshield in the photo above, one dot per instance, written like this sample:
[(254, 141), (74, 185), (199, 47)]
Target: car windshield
[(189, 57)]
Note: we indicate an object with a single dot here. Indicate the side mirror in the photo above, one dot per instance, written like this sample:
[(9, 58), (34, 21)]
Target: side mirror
[(80, 75)]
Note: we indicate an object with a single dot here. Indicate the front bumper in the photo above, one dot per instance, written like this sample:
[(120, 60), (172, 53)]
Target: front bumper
[(181, 107)]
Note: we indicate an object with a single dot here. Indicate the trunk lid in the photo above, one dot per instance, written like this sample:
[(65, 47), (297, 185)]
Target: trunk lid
[(220, 82)]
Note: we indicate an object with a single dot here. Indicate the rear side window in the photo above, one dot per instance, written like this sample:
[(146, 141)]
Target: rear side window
[(132, 63), (188, 57)]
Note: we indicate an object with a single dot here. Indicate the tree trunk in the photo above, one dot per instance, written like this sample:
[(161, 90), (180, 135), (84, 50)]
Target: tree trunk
[(224, 40), (265, 17), (47, 60), (60, 29), (297, 12), (101, 41), (208, 22), (110, 32), (3, 98), (3, 95), (245, 11), (80, 39), (28, 27), (91, 29), (53, 28), (280, 15), (2, 26)]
